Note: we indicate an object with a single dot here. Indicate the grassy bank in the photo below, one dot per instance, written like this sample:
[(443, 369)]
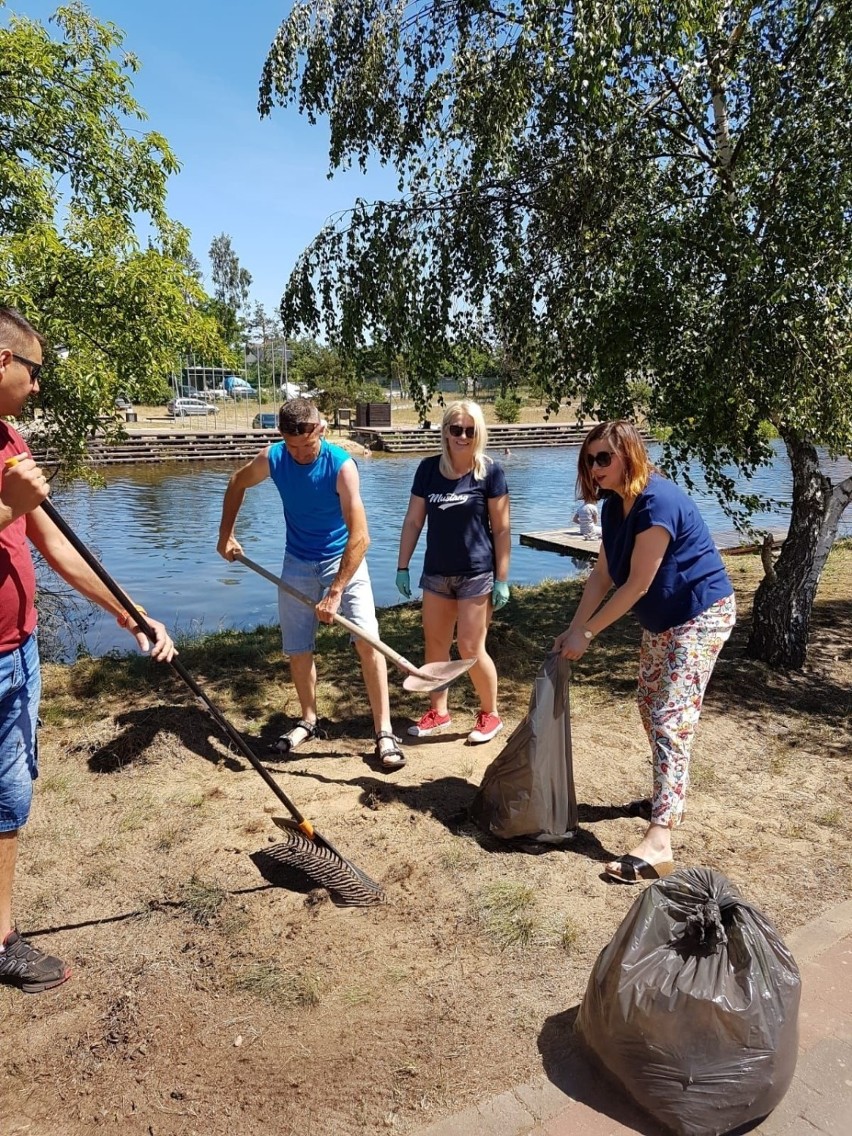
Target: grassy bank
[(245, 673)]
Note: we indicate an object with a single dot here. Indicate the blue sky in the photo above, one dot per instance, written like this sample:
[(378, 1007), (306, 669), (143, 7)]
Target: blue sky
[(262, 182)]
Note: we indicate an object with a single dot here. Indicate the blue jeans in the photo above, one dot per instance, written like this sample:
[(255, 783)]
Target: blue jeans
[(313, 579), (20, 692)]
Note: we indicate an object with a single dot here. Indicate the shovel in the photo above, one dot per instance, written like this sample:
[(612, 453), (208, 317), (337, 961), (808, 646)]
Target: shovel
[(431, 677)]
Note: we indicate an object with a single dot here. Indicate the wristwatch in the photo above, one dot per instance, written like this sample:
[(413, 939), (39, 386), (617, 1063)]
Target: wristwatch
[(588, 634)]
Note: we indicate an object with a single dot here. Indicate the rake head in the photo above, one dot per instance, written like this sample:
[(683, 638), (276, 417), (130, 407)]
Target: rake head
[(322, 865)]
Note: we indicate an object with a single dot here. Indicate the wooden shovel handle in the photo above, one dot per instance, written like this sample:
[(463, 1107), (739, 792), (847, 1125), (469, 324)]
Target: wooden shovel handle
[(352, 628)]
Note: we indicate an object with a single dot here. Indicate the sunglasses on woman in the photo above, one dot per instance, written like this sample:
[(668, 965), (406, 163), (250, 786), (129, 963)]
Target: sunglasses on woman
[(602, 458), (457, 431)]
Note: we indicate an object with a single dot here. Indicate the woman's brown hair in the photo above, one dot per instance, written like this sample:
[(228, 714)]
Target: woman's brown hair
[(624, 440)]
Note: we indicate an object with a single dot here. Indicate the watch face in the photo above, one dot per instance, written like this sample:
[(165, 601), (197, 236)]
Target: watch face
[(588, 634)]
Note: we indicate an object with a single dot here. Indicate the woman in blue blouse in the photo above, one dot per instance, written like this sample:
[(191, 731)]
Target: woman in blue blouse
[(658, 554)]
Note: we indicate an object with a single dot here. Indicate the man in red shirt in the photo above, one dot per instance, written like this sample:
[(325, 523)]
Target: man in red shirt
[(23, 487)]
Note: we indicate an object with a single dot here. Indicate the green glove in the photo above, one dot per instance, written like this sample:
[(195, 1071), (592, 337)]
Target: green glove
[(500, 594), (403, 582)]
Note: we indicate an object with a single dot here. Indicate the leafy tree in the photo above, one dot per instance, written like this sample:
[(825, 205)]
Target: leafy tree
[(231, 284), (75, 178), (648, 204), (507, 408)]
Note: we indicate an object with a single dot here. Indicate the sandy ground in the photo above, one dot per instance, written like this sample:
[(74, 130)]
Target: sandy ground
[(207, 1000)]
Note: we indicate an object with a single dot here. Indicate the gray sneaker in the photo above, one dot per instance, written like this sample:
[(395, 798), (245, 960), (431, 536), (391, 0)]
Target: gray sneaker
[(28, 968)]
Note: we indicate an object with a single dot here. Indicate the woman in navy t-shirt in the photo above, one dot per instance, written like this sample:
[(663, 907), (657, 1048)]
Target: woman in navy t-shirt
[(463, 495), (658, 554)]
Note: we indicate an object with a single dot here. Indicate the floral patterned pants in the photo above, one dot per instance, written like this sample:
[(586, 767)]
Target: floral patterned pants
[(674, 669)]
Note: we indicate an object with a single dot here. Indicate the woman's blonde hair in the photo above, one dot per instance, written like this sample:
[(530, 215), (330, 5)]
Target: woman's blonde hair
[(480, 439), (624, 440)]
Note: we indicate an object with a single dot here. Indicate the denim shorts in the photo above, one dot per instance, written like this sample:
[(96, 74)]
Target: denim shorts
[(20, 691), (459, 587), (313, 579)]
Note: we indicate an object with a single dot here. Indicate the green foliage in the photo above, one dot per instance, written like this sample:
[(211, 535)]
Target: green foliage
[(507, 409), (76, 177), (231, 284), (647, 208)]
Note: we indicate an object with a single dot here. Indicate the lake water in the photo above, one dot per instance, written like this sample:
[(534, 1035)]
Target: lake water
[(155, 530)]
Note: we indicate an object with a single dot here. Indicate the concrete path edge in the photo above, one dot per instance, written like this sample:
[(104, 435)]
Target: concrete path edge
[(521, 1110)]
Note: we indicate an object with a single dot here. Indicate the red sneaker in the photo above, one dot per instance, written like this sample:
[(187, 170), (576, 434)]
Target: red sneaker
[(430, 723), (487, 726)]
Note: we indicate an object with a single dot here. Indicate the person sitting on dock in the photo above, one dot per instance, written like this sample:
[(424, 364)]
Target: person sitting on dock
[(587, 518), (326, 542)]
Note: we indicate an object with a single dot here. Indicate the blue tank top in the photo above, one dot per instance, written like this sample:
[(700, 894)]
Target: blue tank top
[(316, 529), (692, 575)]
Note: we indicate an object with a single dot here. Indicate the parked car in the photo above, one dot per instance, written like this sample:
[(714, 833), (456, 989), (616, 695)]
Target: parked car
[(265, 422), (217, 394), (238, 388), (186, 407)]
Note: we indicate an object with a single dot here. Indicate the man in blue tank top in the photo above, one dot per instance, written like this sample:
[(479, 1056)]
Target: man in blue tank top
[(326, 542)]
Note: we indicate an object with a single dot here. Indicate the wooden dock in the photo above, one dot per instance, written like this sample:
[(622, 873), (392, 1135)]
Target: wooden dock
[(567, 542)]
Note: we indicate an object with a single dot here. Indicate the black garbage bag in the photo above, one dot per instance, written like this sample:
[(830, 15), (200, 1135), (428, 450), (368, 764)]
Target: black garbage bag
[(693, 1006), (528, 789)]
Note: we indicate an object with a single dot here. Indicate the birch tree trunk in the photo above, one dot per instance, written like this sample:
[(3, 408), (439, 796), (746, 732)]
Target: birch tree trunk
[(784, 601)]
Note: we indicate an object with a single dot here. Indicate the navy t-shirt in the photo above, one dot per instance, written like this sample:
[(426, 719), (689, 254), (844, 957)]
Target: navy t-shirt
[(691, 576), (458, 537)]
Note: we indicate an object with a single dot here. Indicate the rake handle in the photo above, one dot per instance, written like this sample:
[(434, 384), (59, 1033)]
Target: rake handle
[(176, 665)]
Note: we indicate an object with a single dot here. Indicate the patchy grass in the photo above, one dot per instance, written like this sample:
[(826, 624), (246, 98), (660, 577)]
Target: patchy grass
[(269, 981), (506, 913), (202, 900), (831, 818)]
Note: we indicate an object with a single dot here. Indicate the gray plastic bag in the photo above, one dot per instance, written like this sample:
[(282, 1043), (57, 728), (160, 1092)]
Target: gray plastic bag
[(528, 789), (693, 1006)]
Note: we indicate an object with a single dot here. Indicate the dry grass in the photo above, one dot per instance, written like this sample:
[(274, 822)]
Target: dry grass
[(207, 998)]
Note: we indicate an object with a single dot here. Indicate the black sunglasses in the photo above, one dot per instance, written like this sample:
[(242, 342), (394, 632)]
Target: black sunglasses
[(601, 458), (457, 431), (35, 368), (301, 428)]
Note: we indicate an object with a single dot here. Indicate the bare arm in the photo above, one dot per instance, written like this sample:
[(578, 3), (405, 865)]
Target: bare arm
[(648, 553), (412, 527), (349, 491), (61, 555), (247, 476), (498, 515), (22, 489)]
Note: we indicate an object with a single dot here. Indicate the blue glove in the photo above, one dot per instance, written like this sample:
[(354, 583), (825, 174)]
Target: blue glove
[(403, 582), (500, 594)]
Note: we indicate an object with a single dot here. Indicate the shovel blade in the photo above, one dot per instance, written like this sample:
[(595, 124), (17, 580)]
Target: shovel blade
[(437, 676)]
